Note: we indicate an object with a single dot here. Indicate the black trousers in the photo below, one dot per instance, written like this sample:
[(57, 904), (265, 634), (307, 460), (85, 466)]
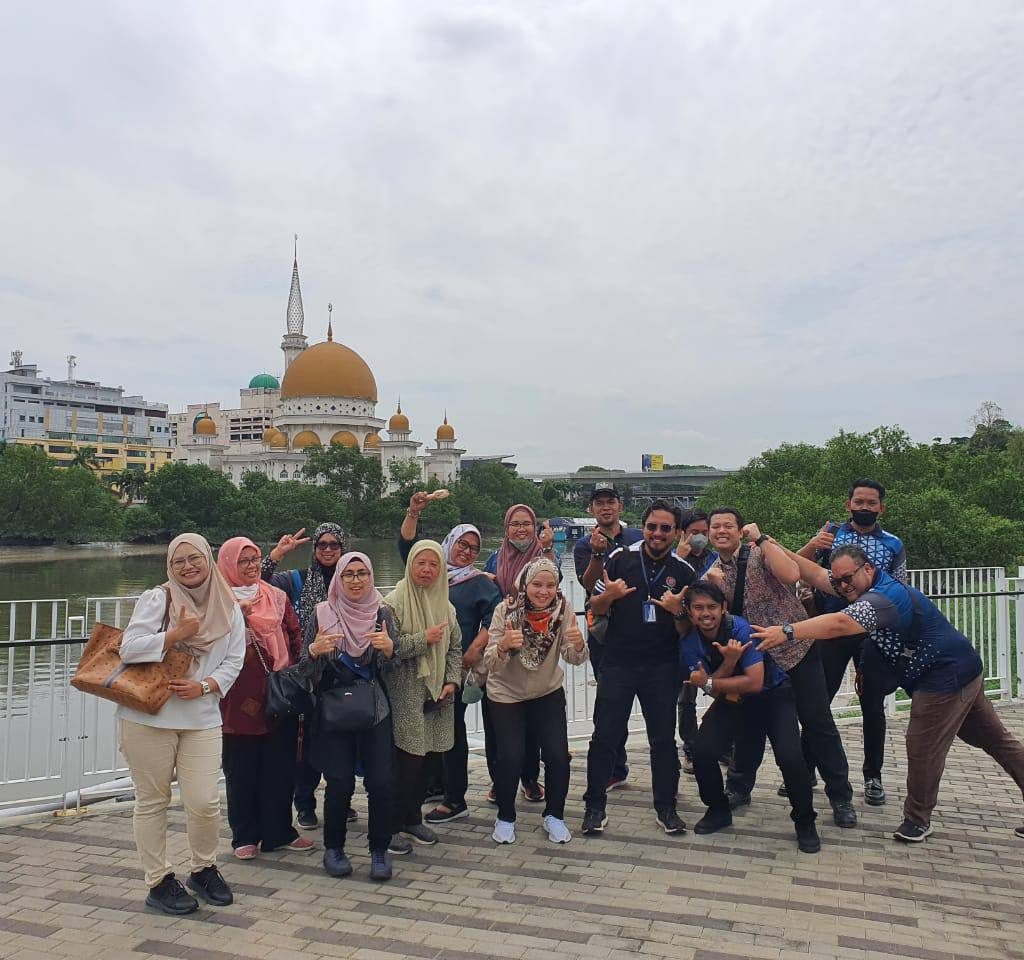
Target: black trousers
[(820, 736), (373, 748), (307, 777), (772, 714), (835, 658), (258, 774), (687, 707), (410, 785), (597, 651), (656, 686), (514, 723), (530, 772)]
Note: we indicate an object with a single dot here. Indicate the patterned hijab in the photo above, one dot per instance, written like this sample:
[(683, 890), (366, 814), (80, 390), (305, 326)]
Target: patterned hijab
[(353, 619), (511, 559), (459, 574), (267, 603), (419, 608), (540, 626), (212, 601), (318, 578)]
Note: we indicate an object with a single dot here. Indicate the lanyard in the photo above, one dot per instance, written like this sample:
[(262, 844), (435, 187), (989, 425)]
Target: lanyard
[(650, 581)]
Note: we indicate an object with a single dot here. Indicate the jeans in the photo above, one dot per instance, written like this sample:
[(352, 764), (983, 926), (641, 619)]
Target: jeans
[(835, 658), (544, 718), (597, 651), (530, 772), (656, 686), (814, 710), (307, 778), (258, 772), (773, 714), (374, 749)]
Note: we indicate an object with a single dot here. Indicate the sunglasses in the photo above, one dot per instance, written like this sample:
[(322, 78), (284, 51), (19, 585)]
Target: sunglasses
[(328, 545), (846, 579), (656, 527)]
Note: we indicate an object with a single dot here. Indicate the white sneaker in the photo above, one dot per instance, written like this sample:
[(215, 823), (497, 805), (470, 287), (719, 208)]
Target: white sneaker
[(504, 832), (558, 832)]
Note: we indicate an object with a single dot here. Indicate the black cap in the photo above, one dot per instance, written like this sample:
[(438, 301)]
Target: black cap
[(604, 488)]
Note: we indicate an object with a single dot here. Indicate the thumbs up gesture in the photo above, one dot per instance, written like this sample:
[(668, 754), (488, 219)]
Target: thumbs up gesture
[(512, 639), (187, 626), (574, 635)]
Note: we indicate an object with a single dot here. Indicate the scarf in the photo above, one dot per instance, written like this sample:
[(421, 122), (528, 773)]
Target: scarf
[(212, 601), (540, 626), (418, 608), (353, 619), (317, 578), (512, 559), (266, 612), (459, 574)]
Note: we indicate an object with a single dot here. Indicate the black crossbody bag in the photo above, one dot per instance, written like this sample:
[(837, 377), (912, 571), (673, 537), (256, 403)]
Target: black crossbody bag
[(349, 706)]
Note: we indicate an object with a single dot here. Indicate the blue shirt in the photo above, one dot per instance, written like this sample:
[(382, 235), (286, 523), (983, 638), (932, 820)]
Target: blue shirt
[(583, 551), (884, 551), (926, 651), (694, 649)]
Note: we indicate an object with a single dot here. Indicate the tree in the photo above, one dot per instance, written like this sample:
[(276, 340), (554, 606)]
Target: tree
[(988, 414), (197, 499), (129, 483), (357, 480), (85, 457), (590, 468)]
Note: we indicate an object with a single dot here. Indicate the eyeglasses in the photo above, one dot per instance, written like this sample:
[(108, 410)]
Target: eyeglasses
[(466, 546), (328, 545), (846, 579), (349, 576), (196, 560), (520, 524), (655, 527), (249, 562)]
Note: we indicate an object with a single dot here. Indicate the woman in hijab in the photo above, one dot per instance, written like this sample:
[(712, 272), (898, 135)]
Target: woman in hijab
[(423, 685), (194, 611), (259, 760), (530, 632), (305, 589), (352, 638)]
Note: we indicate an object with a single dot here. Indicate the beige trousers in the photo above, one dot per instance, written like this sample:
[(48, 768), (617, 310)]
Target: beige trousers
[(153, 755)]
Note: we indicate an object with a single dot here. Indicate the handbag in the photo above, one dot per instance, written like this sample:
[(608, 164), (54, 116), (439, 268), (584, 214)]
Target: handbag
[(472, 691), (289, 691), (348, 707), (137, 686)]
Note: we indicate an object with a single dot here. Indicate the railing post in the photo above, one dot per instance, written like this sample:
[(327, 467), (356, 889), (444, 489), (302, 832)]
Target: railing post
[(1003, 637)]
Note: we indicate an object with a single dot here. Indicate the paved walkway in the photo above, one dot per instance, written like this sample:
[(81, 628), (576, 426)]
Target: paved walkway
[(71, 887)]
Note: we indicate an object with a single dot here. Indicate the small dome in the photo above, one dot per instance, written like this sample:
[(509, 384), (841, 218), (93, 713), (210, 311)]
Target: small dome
[(372, 442), (446, 431), (399, 422), (264, 381), (344, 439), (305, 439), (202, 415), (268, 434), (278, 441), (205, 428), (329, 369)]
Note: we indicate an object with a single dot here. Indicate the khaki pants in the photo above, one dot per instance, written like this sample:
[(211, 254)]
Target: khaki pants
[(935, 720), (153, 755)]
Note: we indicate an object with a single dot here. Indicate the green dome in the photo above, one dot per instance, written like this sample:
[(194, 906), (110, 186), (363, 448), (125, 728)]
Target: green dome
[(264, 381)]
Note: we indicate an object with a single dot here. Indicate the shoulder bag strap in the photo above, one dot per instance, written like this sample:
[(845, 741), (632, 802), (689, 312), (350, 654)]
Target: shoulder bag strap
[(736, 607), (167, 610), (259, 653)]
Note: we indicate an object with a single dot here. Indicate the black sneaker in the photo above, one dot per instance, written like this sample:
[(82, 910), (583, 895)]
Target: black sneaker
[(843, 815), (533, 792), (874, 792), (421, 834), (336, 863), (210, 885), (1019, 831), (713, 821), (670, 822), (783, 792), (350, 817), (171, 897), (399, 846), (446, 812), (306, 819), (380, 865), (594, 822), (737, 800), (807, 838), (909, 832)]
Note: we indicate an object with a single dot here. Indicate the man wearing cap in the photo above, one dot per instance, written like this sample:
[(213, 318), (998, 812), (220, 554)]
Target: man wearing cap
[(589, 555)]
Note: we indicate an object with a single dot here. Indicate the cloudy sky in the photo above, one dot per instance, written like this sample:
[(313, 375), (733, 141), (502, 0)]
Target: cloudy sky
[(590, 229)]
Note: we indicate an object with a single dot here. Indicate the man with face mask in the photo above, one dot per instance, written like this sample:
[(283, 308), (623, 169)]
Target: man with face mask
[(866, 503), (934, 662)]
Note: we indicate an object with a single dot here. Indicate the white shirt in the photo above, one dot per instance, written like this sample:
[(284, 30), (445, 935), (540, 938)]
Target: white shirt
[(143, 642)]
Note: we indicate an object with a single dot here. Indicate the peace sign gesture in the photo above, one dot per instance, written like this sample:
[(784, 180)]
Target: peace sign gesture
[(288, 543)]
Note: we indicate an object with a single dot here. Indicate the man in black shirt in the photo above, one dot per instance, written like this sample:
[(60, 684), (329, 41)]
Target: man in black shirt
[(642, 593)]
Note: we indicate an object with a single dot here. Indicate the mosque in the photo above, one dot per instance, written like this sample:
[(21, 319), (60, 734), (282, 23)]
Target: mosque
[(328, 395)]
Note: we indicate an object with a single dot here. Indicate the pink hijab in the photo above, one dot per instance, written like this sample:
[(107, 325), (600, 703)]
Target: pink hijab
[(268, 603), (511, 560), (353, 619)]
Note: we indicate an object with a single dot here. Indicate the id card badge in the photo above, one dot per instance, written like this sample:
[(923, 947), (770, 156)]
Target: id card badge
[(650, 612)]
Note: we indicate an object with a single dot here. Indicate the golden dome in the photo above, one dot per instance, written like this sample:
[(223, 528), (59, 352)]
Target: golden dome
[(446, 431), (276, 439), (206, 428), (372, 442), (268, 435), (344, 439), (305, 439), (399, 421), (329, 369)]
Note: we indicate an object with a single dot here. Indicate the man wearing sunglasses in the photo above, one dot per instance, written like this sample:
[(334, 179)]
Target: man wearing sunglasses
[(641, 591), (935, 663)]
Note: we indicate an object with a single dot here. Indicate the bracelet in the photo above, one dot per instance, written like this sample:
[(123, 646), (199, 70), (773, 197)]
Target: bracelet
[(413, 514)]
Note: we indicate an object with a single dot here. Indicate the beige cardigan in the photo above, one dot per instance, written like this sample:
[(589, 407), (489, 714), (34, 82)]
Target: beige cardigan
[(508, 681)]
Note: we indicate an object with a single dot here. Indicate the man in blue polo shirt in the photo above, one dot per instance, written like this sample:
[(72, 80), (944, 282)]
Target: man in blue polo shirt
[(935, 664), (750, 691), (866, 503)]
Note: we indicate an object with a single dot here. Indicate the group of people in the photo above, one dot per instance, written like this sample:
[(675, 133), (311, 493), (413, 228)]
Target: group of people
[(684, 603)]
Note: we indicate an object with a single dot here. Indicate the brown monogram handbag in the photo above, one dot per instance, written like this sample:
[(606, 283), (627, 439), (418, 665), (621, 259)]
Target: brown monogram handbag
[(139, 686)]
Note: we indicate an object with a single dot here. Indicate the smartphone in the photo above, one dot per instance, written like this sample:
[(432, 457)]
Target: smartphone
[(831, 527)]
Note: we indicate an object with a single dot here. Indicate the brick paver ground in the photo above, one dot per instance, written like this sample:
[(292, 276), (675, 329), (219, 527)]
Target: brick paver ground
[(71, 887)]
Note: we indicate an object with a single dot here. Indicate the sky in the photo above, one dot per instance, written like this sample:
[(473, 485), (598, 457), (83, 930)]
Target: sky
[(589, 230)]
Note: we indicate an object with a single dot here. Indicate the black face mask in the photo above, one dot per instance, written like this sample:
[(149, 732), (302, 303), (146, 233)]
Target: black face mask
[(864, 518)]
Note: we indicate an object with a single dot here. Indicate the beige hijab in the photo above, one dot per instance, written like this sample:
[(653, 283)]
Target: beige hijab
[(212, 601)]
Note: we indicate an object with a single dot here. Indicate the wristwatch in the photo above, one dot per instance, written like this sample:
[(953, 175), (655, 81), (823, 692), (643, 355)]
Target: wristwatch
[(787, 629), (761, 539), (709, 687), (205, 684)]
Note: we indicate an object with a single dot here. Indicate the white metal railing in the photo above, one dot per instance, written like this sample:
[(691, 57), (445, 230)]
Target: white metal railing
[(54, 740)]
